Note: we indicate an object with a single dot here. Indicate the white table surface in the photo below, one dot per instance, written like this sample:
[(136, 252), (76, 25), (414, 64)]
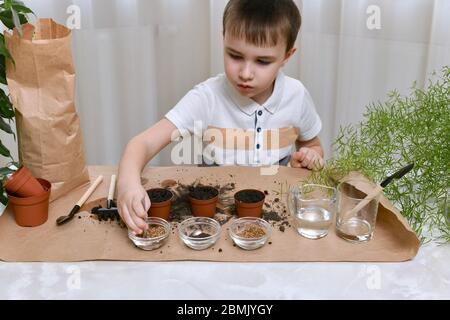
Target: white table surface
[(425, 277)]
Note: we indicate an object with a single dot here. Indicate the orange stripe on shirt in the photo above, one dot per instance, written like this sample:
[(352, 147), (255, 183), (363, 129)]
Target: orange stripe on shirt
[(240, 139)]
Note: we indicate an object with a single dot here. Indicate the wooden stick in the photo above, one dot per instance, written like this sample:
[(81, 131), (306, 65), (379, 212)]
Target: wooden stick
[(112, 187), (89, 191), (375, 192)]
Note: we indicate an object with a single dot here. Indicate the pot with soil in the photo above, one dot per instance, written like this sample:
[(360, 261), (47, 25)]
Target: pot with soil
[(22, 183), (203, 201), (161, 200), (249, 203), (31, 211)]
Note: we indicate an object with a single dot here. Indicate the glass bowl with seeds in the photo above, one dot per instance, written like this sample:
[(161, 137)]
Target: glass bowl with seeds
[(154, 237), (250, 233), (199, 233)]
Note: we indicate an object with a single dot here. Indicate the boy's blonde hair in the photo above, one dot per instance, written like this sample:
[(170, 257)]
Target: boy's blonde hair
[(262, 22)]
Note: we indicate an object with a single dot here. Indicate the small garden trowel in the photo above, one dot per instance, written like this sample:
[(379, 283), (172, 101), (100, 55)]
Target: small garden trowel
[(64, 219)]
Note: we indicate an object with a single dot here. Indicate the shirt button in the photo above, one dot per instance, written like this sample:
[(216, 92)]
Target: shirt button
[(258, 146), (259, 129), (259, 113)]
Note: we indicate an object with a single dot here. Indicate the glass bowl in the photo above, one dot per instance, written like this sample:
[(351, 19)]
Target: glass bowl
[(199, 233), (155, 242), (250, 233)]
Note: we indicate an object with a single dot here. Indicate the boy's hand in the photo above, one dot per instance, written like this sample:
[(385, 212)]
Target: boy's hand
[(306, 158), (133, 204)]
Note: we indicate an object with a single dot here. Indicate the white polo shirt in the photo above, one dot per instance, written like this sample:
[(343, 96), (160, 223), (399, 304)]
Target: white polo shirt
[(236, 130)]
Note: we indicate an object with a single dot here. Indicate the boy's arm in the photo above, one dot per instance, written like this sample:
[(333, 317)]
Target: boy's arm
[(143, 147), (133, 201), (309, 154)]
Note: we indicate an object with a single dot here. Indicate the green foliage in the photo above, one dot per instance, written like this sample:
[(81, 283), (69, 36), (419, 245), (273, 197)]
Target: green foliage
[(12, 15), (402, 130)]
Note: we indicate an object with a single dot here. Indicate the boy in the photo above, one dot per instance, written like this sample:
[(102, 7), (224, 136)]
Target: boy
[(252, 100)]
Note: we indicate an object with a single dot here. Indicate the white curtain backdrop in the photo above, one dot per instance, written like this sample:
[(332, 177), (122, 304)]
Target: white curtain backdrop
[(346, 66), (136, 58)]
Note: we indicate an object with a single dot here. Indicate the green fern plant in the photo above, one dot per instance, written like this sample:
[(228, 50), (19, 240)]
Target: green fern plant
[(402, 130), (13, 14)]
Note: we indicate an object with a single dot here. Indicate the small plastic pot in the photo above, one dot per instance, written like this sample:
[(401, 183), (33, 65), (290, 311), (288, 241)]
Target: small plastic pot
[(161, 202), (249, 203), (31, 211), (203, 201), (22, 183)]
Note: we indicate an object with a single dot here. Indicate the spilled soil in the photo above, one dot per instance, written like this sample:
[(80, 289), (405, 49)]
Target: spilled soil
[(274, 210)]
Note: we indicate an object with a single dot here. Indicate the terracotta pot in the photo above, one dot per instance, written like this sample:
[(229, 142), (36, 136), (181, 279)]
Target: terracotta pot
[(206, 207), (31, 211), (160, 209), (23, 184), (249, 209)]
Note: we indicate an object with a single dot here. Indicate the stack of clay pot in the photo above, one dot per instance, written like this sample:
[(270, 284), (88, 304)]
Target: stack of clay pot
[(28, 197)]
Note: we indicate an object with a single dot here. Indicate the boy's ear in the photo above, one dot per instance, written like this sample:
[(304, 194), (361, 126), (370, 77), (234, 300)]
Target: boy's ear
[(288, 55)]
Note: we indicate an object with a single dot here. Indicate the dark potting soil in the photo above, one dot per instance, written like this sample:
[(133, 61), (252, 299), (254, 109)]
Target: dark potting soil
[(159, 195), (203, 192), (271, 216), (249, 196)]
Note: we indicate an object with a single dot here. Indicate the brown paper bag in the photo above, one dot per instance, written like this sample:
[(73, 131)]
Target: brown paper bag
[(42, 87)]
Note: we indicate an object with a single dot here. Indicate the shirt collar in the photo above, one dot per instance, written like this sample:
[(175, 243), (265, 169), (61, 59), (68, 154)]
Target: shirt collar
[(248, 106)]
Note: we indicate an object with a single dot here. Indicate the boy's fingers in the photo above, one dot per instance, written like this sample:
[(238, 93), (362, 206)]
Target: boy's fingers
[(311, 165), (138, 208), (297, 158), (320, 164), (147, 203), (141, 224), (316, 164), (139, 215), (295, 163), (126, 217), (299, 155), (307, 159)]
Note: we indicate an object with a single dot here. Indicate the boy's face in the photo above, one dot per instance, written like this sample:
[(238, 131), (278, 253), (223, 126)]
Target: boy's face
[(252, 70)]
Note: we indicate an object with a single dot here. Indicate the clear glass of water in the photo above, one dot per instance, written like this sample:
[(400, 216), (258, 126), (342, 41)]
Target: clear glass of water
[(312, 207), (355, 226)]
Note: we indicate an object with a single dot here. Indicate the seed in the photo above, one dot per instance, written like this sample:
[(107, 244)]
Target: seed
[(252, 231), (153, 231)]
